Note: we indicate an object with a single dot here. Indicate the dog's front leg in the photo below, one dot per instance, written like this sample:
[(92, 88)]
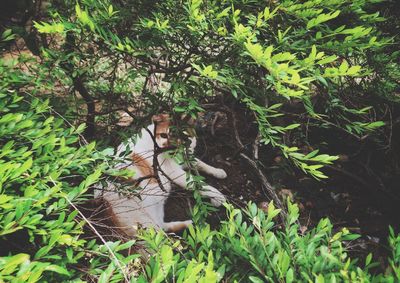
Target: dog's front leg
[(178, 176), (210, 170)]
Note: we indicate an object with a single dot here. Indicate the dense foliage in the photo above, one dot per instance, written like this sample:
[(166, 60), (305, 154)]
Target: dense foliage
[(248, 248), (294, 65), (324, 56), (42, 173)]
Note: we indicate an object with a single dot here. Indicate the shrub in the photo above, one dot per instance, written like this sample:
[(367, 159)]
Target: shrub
[(44, 173), (306, 62), (248, 247), (321, 59)]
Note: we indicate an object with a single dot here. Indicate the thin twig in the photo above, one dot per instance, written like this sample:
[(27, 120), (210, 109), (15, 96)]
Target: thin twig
[(214, 121), (256, 145), (118, 263), (156, 165), (266, 186)]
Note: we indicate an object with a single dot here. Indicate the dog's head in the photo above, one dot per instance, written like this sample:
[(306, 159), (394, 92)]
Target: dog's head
[(162, 130), (170, 131)]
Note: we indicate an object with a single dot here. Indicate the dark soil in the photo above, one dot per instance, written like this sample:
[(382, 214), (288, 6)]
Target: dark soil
[(349, 198)]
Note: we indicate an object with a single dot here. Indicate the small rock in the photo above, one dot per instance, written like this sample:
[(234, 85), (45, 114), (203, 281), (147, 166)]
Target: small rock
[(336, 197), (345, 195), (343, 157), (263, 206), (303, 229), (374, 212), (218, 158), (373, 239), (309, 204)]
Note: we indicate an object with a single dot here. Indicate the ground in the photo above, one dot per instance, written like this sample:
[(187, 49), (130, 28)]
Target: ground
[(342, 198), (348, 197)]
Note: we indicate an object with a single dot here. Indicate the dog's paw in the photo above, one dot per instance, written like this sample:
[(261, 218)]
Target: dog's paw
[(220, 174), (218, 199)]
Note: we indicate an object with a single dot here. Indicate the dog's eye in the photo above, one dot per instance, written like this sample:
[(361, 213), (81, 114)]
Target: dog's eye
[(164, 135)]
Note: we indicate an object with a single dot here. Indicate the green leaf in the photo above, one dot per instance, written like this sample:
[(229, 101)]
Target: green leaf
[(255, 279), (322, 80), (327, 60), (322, 18), (57, 269), (11, 263), (7, 35), (224, 13), (106, 274), (353, 70), (289, 276), (292, 126), (375, 125), (343, 67), (49, 28), (350, 237), (368, 259)]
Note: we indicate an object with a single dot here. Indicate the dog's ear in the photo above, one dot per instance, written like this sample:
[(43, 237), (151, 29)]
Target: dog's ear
[(159, 118)]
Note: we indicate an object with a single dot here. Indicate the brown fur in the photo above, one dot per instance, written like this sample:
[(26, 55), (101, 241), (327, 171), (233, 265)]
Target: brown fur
[(117, 227), (150, 210), (160, 118), (161, 122), (161, 125), (177, 228), (144, 167)]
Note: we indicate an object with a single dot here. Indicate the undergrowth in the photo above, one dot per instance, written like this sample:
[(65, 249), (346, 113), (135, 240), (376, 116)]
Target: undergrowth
[(326, 58)]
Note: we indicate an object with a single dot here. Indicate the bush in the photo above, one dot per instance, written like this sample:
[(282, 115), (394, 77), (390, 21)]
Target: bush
[(248, 247), (297, 66), (42, 173), (288, 63)]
